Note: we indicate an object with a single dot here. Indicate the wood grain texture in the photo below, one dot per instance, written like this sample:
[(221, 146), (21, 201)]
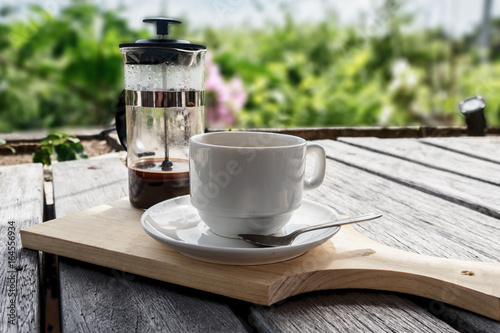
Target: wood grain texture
[(21, 206), (112, 300), (345, 311), (96, 277), (431, 156), (110, 236), (96, 299), (321, 133), (477, 195), (86, 183), (486, 148), (413, 221)]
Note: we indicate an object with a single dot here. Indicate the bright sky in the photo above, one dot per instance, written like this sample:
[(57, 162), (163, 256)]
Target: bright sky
[(455, 16)]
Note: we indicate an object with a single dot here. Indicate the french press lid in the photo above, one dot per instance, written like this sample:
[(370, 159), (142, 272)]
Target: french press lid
[(162, 27)]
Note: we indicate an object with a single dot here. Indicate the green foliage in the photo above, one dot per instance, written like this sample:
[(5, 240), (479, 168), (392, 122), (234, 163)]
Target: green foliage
[(3, 144), (63, 146), (314, 76), (67, 70), (323, 74), (61, 71)]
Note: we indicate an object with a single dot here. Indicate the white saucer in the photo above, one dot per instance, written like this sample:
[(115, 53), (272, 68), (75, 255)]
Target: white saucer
[(176, 223)]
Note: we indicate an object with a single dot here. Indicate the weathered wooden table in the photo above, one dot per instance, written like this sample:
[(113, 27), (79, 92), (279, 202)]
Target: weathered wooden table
[(439, 197)]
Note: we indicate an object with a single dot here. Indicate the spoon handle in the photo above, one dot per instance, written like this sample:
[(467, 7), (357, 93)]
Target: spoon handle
[(351, 220)]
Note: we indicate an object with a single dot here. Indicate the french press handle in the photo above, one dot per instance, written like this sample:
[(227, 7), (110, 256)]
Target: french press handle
[(120, 120)]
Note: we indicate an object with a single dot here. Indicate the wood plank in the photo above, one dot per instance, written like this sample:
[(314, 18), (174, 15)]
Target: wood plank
[(109, 235), (321, 133), (413, 221), (416, 223), (477, 195), (21, 206), (99, 299), (346, 311), (388, 300), (486, 148), (112, 300), (435, 157), (318, 309), (79, 185)]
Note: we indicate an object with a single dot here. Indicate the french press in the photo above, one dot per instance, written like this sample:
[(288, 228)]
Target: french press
[(164, 107)]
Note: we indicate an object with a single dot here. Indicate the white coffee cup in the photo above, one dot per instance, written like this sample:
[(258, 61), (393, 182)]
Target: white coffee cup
[(250, 182)]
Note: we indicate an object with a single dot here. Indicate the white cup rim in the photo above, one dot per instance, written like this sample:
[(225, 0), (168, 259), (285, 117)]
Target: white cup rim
[(196, 139)]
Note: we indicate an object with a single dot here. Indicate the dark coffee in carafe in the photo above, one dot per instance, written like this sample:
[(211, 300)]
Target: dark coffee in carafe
[(148, 184)]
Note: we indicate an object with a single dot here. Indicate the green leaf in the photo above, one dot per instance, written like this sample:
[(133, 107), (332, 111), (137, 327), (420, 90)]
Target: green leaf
[(72, 139), (42, 155), (3, 145), (78, 149), (65, 152), (53, 139), (63, 146)]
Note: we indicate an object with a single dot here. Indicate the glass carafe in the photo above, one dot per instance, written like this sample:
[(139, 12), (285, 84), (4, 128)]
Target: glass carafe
[(164, 102)]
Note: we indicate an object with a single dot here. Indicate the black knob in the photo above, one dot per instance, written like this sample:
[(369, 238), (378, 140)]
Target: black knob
[(473, 110), (161, 24)]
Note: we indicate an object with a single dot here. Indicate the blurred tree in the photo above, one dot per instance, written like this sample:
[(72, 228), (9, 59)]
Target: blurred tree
[(64, 70)]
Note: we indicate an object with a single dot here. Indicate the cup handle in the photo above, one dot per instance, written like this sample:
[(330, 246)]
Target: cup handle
[(319, 167)]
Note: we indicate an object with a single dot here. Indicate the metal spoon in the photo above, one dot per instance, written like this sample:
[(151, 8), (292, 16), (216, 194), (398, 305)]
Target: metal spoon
[(271, 241)]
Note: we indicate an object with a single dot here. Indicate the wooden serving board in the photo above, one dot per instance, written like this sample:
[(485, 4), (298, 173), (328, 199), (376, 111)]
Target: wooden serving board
[(111, 235)]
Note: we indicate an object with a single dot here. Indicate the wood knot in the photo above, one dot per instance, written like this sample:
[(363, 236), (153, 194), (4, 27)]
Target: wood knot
[(468, 273), (368, 252)]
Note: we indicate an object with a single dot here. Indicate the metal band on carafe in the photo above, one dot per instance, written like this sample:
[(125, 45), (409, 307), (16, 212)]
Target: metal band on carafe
[(165, 99)]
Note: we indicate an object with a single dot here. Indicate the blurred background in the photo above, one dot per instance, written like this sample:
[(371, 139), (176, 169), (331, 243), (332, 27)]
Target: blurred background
[(270, 63)]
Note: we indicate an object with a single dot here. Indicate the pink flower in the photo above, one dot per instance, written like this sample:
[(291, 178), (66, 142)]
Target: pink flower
[(238, 95), (223, 100)]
